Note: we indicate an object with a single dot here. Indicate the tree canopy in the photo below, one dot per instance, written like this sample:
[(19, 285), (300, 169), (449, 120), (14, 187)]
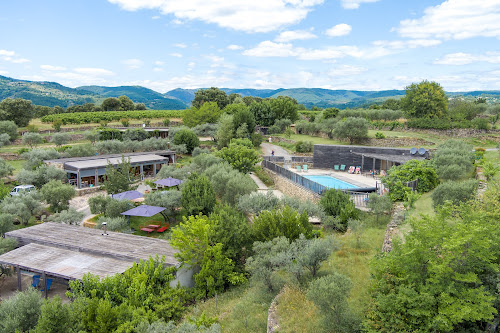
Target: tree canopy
[(425, 100), (19, 110), (213, 94)]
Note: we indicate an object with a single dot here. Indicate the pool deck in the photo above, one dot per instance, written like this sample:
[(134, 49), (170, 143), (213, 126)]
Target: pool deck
[(358, 180)]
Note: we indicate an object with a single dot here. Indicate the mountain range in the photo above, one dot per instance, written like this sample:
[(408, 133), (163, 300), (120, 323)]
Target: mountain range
[(52, 94)]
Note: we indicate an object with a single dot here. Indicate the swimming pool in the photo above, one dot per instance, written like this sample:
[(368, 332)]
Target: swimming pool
[(331, 182)]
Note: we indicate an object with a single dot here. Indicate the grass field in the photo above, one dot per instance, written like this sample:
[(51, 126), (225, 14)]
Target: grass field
[(17, 164)]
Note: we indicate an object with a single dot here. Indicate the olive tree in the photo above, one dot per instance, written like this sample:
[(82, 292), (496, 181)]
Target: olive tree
[(32, 139), (60, 138), (352, 129), (57, 194)]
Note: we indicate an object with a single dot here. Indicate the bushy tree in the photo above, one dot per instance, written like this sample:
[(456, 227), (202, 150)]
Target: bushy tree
[(32, 139), (35, 157), (22, 207), (126, 103), (228, 183), (117, 178), (57, 194), (171, 200), (60, 138), (54, 317), (4, 139), (284, 107), (140, 106), (41, 175), (21, 311), (19, 110), (5, 168), (70, 216), (81, 150), (187, 137), (379, 204), (398, 176), (330, 294), (111, 104), (256, 202), (282, 221), (352, 129), (207, 129), (116, 223), (92, 136), (263, 113), (244, 117), (137, 134), (6, 223), (114, 207), (98, 204), (454, 160), (9, 127), (242, 158), (225, 130), (208, 112), (198, 195), (455, 191), (202, 96), (337, 204), (425, 99)]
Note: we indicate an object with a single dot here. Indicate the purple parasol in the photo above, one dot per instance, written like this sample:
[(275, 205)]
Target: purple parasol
[(144, 210), (169, 182), (129, 195)]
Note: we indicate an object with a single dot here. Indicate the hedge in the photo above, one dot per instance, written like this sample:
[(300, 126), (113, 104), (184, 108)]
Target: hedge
[(96, 117)]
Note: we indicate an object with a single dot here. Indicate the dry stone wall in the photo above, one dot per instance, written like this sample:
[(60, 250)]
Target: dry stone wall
[(289, 188)]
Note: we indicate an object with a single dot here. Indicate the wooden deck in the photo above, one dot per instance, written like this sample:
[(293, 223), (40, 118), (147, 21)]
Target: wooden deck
[(91, 241)]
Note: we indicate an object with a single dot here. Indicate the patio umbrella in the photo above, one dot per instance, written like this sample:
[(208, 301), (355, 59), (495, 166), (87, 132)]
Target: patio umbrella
[(129, 195), (144, 210), (168, 182)]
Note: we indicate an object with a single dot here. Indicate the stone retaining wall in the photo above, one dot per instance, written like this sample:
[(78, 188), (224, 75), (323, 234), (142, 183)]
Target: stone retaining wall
[(392, 227), (272, 317), (289, 188)]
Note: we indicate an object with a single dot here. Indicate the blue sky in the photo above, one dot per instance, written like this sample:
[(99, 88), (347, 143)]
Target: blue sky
[(333, 44)]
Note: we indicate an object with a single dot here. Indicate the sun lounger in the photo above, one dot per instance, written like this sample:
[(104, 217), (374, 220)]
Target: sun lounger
[(36, 281), (358, 170), (305, 167), (336, 167), (49, 283), (342, 167), (148, 230), (351, 169), (299, 168), (163, 229)]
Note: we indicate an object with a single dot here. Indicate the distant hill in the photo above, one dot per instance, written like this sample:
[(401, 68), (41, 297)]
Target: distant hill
[(52, 93), (152, 99)]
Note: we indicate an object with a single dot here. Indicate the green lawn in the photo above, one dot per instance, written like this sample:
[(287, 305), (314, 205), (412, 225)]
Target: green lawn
[(17, 164)]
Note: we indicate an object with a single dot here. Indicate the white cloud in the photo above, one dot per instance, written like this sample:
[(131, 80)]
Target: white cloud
[(455, 19), (244, 15), (354, 4), (158, 69), (93, 71), (461, 58), (346, 70), (19, 60), (405, 44), (180, 45), (156, 17), (175, 54), (287, 36), (3, 72), (132, 63), (159, 63), (339, 30), (235, 47), (7, 53), (271, 49), (52, 68)]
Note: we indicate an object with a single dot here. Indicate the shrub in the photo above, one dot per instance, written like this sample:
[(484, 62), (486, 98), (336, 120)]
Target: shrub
[(480, 123), (98, 204), (274, 130), (118, 223), (57, 194), (36, 157), (125, 122), (115, 207), (282, 221), (198, 195), (456, 192), (337, 204), (81, 150), (242, 158), (379, 135), (198, 151), (70, 216), (137, 134), (187, 137), (32, 128), (109, 134), (21, 311), (32, 139), (304, 146), (263, 175), (9, 127), (353, 129), (57, 125), (60, 138), (397, 177), (166, 122), (256, 139), (454, 160)]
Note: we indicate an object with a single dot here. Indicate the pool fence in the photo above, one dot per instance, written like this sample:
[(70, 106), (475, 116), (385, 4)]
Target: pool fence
[(359, 197)]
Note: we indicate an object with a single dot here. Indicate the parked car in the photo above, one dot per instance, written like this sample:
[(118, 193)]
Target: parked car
[(22, 189)]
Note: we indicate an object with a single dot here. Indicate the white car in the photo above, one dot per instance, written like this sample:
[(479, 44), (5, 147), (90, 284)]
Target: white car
[(22, 189)]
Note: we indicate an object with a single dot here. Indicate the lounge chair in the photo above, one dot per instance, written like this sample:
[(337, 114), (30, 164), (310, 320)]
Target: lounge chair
[(342, 167), (299, 168), (358, 170), (163, 229), (351, 169), (336, 167), (304, 167), (36, 281), (49, 283)]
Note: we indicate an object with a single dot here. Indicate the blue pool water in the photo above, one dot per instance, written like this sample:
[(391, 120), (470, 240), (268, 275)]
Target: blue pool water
[(331, 182)]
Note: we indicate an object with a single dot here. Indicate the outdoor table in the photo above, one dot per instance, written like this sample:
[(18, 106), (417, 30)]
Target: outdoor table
[(148, 230), (153, 226)]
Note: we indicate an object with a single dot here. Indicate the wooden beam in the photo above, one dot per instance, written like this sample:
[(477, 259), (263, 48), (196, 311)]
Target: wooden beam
[(19, 284), (44, 276)]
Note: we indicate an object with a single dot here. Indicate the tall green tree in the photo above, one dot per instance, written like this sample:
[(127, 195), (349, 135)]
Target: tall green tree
[(57, 194), (282, 221), (187, 137), (337, 204), (32, 139), (118, 178), (284, 107), (240, 157), (198, 195), (111, 104), (201, 96), (126, 103), (19, 110), (352, 128), (9, 127), (208, 112), (425, 100)]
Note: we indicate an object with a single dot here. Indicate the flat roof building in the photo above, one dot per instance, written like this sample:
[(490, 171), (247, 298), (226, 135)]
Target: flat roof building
[(84, 172)]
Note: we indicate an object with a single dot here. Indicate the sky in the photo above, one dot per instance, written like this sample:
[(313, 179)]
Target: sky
[(264, 44)]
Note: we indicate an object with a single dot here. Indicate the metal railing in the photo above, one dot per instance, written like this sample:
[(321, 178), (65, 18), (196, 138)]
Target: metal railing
[(358, 198)]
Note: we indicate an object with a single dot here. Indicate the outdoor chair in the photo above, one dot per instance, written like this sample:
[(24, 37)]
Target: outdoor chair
[(336, 167), (351, 169), (299, 168), (163, 229), (305, 167), (36, 281), (49, 283), (342, 167)]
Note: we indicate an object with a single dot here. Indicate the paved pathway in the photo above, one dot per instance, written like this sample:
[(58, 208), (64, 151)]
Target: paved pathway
[(267, 148), (263, 188)]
